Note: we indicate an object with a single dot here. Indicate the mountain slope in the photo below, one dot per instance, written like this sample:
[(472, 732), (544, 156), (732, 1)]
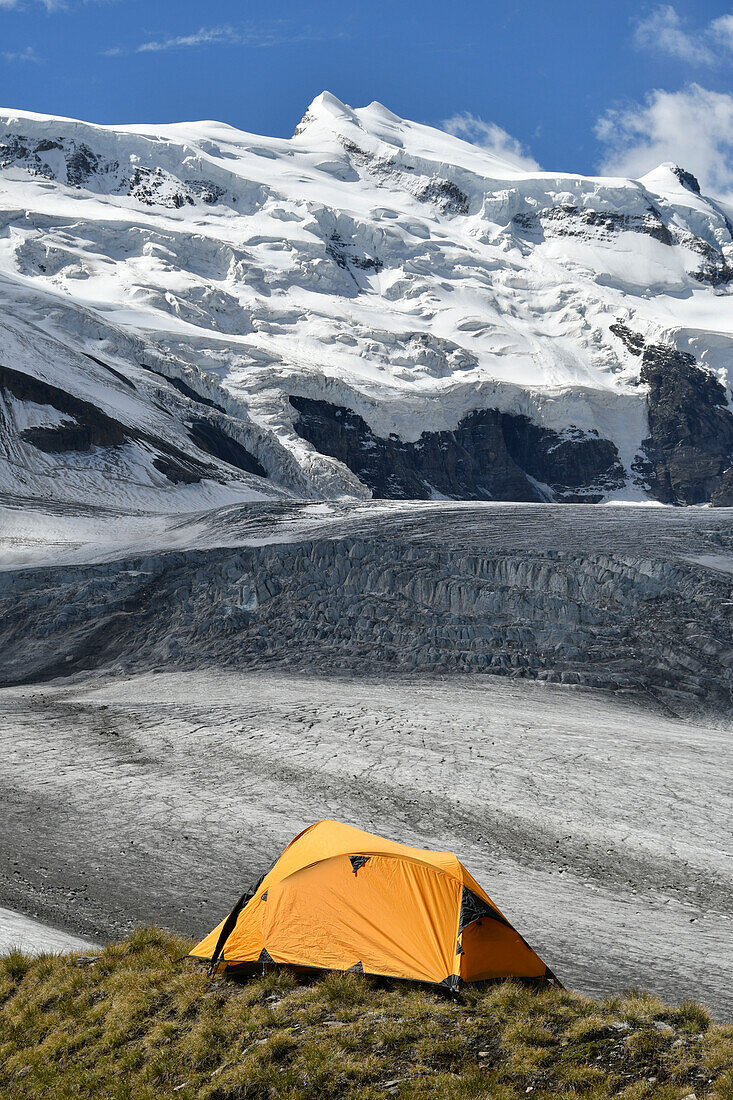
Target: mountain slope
[(372, 307)]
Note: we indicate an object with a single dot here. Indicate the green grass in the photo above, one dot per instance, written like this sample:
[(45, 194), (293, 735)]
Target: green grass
[(137, 1024)]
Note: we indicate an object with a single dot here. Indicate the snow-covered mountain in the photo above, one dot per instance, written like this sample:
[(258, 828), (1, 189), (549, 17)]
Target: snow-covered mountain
[(191, 316)]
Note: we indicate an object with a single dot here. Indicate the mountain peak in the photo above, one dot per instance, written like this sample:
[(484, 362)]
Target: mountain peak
[(325, 108), (378, 110), (670, 174)]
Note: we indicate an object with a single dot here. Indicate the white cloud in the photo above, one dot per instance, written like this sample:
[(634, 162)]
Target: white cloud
[(205, 36), (721, 30), (277, 34), (491, 137), (49, 5), (27, 54), (692, 127), (664, 32)]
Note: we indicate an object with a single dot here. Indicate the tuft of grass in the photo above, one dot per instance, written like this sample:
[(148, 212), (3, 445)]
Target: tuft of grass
[(138, 1023)]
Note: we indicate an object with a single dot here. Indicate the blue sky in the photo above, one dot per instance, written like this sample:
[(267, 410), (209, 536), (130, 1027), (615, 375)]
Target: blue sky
[(580, 85)]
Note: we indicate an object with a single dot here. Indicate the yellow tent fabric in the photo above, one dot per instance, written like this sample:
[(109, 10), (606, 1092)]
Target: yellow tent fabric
[(339, 898)]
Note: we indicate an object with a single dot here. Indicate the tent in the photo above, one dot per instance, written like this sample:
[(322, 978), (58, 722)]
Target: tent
[(342, 899)]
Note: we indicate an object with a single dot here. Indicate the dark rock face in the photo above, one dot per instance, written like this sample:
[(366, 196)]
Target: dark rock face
[(182, 387), (715, 271), (578, 466), (209, 438), (449, 463), (714, 268), (57, 440), (687, 179), (689, 451), (84, 168), (111, 370), (446, 196), (345, 256), (90, 427), (566, 220), (632, 341), (179, 473), (489, 456)]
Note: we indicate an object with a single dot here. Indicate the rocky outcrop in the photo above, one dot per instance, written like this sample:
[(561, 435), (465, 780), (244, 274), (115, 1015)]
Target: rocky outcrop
[(77, 165), (566, 220), (446, 196), (490, 455), (688, 455), (687, 179), (88, 427), (210, 439), (580, 467), (346, 257)]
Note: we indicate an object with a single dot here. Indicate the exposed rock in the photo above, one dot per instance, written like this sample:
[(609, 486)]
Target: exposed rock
[(689, 451), (81, 167), (81, 163), (63, 437), (567, 220), (446, 196), (344, 256), (206, 190), (632, 341), (92, 428), (471, 463), (687, 179), (210, 438), (179, 473), (714, 272), (490, 455), (120, 377), (578, 466), (147, 186), (182, 387)]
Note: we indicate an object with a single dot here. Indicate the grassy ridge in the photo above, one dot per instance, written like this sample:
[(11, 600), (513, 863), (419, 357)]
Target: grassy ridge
[(136, 1024)]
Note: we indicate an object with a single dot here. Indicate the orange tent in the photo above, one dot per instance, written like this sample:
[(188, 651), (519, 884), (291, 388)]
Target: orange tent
[(342, 899)]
